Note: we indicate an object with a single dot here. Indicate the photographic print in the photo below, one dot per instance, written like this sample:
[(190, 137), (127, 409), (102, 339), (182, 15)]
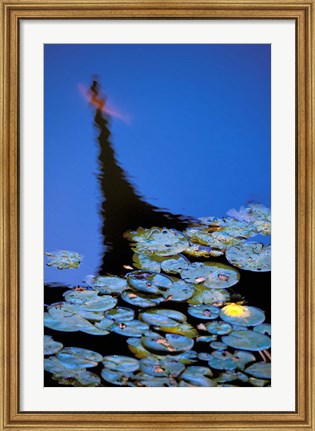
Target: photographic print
[(157, 215)]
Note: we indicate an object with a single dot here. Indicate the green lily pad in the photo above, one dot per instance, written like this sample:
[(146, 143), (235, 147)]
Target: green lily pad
[(105, 325), (80, 379), (217, 240), (247, 316), (206, 296), (63, 326), (250, 256), (182, 329), (206, 338), (51, 346), (107, 284), (135, 347), (187, 358), (180, 291), (141, 300), (255, 214), (120, 314), (130, 328), (261, 370), (64, 259), (162, 317), (247, 340), (219, 328), (65, 309), (218, 345), (148, 263), (198, 376), (264, 328), (157, 241), (76, 357), (258, 382), (223, 360), (204, 356), (116, 377), (94, 330), (161, 367), (230, 376), (146, 380), (80, 295), (198, 250), (149, 282), (61, 317), (175, 265), (211, 275), (206, 312), (170, 344), (121, 363), (54, 366)]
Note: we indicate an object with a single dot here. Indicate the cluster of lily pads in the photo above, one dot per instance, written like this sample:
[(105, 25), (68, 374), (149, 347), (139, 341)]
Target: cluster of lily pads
[(214, 342)]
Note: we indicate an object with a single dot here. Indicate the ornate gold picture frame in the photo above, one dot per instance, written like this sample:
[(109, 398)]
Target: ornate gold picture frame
[(12, 14)]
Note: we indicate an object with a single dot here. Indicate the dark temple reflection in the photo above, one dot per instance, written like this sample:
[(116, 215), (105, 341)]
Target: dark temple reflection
[(122, 208)]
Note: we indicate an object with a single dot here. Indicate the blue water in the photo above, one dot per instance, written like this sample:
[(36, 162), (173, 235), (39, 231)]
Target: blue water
[(194, 137)]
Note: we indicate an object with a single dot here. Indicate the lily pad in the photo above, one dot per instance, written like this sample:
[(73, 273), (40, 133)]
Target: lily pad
[(241, 315), (261, 370), (121, 363), (161, 368), (148, 263), (179, 291), (206, 312), (198, 376), (219, 328), (116, 377), (120, 314), (157, 241), (105, 325), (175, 265), (217, 240), (51, 346), (76, 357), (80, 295), (247, 340), (187, 358), (135, 347), (182, 329), (143, 379), (170, 344), (149, 282), (255, 214), (79, 379), (224, 360), (64, 259), (206, 338), (130, 328), (107, 284), (230, 376), (141, 300), (258, 382), (54, 366), (162, 317), (218, 345), (206, 296), (198, 250), (61, 317), (264, 328), (211, 275), (250, 256)]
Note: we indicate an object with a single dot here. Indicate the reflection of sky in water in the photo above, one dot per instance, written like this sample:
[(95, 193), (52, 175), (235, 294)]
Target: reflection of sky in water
[(198, 143)]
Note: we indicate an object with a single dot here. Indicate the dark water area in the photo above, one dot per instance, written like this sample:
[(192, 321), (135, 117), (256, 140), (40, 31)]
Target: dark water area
[(122, 208)]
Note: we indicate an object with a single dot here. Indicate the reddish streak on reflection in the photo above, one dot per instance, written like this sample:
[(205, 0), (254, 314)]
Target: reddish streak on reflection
[(100, 103)]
